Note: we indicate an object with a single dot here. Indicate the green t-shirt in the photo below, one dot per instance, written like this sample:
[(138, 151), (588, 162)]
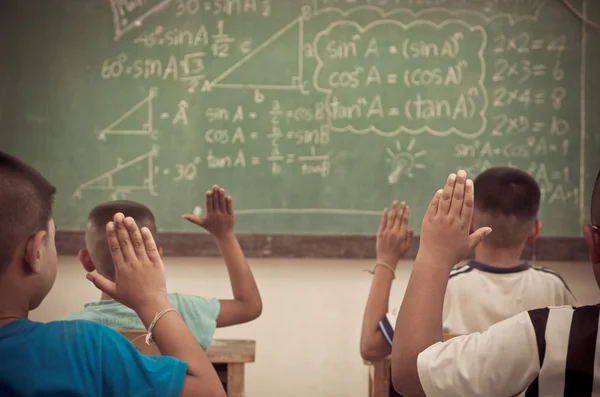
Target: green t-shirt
[(200, 315)]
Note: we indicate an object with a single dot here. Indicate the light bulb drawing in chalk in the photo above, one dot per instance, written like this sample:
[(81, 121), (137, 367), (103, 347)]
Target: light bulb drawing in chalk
[(403, 163)]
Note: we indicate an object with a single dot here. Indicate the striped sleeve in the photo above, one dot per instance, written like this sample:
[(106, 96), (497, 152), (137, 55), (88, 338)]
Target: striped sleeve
[(386, 326), (567, 342), (501, 361)]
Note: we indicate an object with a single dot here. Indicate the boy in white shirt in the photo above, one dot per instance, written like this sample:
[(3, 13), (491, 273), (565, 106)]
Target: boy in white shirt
[(495, 285), (543, 352)]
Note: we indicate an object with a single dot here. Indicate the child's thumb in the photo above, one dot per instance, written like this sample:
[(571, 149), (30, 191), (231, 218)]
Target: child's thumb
[(197, 220), (478, 236), (103, 284)]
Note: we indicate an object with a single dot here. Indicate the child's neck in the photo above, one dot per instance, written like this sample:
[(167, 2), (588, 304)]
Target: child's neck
[(14, 302), (498, 257)]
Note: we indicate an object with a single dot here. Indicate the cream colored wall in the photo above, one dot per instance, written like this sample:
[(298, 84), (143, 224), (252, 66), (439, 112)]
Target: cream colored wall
[(307, 337)]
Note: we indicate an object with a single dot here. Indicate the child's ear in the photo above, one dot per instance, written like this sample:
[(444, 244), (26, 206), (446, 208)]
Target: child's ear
[(33, 252), (86, 260), (160, 251), (535, 231)]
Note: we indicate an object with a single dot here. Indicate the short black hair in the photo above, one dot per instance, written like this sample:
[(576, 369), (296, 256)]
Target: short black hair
[(507, 200), (95, 236), (26, 200)]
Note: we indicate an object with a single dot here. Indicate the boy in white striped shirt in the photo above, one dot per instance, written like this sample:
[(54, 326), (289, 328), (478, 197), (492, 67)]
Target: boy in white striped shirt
[(542, 352)]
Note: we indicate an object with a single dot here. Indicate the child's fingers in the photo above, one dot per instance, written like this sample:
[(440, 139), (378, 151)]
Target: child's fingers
[(446, 198), (150, 245), (393, 215), (124, 239), (103, 284), (229, 204), (410, 234), (215, 198), (114, 246), (458, 195), (209, 201), (433, 208), (469, 203), (384, 220), (403, 218), (136, 238), (222, 203)]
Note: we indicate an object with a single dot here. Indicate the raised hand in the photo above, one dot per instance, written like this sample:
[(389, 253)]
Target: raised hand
[(220, 217), (445, 238), (394, 237), (139, 271)]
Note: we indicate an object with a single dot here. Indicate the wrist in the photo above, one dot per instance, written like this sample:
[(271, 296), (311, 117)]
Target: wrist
[(424, 259), (225, 238), (388, 260), (384, 273), (147, 311)]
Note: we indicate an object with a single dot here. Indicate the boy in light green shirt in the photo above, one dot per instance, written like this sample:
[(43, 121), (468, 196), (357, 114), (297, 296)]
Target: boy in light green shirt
[(201, 315)]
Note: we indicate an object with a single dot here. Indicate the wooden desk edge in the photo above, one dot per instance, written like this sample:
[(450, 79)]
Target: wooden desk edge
[(231, 351)]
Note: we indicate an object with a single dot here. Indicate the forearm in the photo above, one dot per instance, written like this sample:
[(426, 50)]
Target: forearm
[(419, 323), (373, 344), (242, 280), (174, 339)]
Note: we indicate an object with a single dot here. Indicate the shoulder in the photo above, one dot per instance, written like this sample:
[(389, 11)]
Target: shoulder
[(80, 327), (551, 275), (194, 302)]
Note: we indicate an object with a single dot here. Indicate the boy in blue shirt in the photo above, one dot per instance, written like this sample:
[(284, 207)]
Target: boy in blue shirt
[(201, 315), (81, 358)]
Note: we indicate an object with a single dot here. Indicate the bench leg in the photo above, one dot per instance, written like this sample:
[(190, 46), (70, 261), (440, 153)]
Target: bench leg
[(235, 380), (381, 379)]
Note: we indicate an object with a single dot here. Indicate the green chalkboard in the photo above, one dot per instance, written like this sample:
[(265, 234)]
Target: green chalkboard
[(313, 114)]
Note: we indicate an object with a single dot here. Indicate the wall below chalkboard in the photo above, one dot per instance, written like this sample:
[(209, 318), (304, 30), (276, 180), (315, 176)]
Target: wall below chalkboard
[(295, 246)]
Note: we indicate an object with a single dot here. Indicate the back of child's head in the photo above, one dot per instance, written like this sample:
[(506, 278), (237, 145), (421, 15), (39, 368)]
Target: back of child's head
[(507, 200), (26, 199), (95, 235)]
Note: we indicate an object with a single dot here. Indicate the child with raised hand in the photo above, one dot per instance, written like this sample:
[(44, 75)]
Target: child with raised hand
[(140, 284), (393, 241), (201, 315), (81, 358), (492, 287), (542, 352)]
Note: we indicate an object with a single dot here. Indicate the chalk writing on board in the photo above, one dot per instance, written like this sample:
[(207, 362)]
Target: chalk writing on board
[(110, 181), (438, 66), (188, 68), (403, 162), (437, 115), (517, 10), (533, 147), (145, 105), (128, 15)]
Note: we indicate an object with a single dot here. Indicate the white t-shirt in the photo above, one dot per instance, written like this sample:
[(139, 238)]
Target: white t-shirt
[(543, 352), (479, 296)]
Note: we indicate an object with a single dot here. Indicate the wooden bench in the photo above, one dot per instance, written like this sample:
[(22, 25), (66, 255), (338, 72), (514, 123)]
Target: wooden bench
[(228, 356), (380, 376)]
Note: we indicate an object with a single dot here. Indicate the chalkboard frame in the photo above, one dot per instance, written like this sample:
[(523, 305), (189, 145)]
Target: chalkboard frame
[(318, 247)]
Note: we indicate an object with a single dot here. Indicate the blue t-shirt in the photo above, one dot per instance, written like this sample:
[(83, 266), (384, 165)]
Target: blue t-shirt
[(80, 358)]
